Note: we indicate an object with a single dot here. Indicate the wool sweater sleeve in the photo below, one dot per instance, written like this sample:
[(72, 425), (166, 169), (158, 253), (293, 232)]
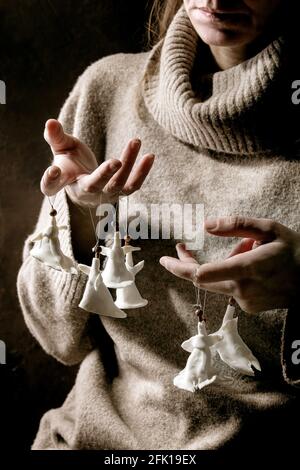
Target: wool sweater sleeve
[(49, 298)]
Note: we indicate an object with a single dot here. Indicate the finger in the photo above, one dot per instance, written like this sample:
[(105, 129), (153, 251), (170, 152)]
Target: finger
[(57, 176), (51, 181), (139, 174), (258, 229), (234, 268), (184, 270), (256, 244), (185, 255), (55, 136), (128, 158), (245, 245), (250, 265), (225, 287), (96, 181), (188, 270)]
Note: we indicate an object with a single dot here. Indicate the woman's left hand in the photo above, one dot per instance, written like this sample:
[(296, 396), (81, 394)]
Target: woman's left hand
[(261, 273)]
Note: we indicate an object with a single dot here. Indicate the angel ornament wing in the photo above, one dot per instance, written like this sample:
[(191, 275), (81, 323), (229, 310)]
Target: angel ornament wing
[(96, 297), (47, 248), (232, 349), (130, 297), (198, 372)]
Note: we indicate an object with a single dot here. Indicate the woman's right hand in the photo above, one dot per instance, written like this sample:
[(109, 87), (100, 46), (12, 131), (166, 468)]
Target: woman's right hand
[(75, 167)]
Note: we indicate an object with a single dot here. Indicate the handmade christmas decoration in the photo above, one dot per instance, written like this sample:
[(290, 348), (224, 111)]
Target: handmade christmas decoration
[(115, 273), (119, 273), (96, 297), (232, 349), (47, 247), (130, 297), (199, 371)]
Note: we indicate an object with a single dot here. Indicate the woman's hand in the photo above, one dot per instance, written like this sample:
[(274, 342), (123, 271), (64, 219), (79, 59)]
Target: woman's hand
[(261, 273), (75, 167)]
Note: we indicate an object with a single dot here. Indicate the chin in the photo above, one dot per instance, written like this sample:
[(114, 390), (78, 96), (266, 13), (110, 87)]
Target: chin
[(222, 38)]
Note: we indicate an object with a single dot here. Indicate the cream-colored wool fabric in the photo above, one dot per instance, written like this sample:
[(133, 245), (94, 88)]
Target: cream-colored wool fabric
[(223, 152)]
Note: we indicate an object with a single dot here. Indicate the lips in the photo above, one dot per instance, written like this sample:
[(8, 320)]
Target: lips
[(220, 16), (222, 12)]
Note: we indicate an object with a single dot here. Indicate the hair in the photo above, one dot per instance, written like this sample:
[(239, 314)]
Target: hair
[(161, 14)]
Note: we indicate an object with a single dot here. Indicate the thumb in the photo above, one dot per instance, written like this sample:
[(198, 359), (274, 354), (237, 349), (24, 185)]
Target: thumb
[(55, 136)]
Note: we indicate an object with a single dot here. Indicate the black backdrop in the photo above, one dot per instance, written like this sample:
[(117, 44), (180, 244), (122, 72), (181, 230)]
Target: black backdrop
[(45, 45)]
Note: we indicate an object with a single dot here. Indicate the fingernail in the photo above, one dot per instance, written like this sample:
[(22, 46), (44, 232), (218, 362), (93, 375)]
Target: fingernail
[(53, 172), (180, 245), (136, 142), (115, 165), (210, 223)]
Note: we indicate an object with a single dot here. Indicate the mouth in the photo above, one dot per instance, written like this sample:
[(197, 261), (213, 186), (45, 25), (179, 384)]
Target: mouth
[(221, 16)]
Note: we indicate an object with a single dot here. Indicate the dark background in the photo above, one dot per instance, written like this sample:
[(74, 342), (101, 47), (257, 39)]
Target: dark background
[(45, 45)]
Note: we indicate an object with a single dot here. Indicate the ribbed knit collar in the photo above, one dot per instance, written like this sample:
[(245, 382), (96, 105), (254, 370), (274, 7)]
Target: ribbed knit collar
[(238, 116)]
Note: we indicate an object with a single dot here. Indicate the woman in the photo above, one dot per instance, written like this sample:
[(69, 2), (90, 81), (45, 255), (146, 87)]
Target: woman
[(210, 100)]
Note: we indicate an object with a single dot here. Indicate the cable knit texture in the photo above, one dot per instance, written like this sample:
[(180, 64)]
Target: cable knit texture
[(223, 152), (232, 119)]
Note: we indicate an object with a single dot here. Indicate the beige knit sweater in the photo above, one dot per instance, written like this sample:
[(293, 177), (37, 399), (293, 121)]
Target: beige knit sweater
[(222, 151)]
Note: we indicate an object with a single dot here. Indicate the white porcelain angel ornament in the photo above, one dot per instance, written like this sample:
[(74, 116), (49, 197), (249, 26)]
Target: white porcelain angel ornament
[(227, 342), (97, 298), (130, 297), (115, 274), (198, 372), (232, 349), (47, 247)]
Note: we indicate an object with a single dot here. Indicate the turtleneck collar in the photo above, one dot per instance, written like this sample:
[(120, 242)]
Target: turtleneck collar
[(238, 116)]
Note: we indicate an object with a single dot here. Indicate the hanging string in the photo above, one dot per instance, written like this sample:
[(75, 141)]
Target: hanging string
[(50, 202), (200, 307), (117, 206), (197, 295), (126, 216), (93, 224), (204, 301), (96, 249)]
